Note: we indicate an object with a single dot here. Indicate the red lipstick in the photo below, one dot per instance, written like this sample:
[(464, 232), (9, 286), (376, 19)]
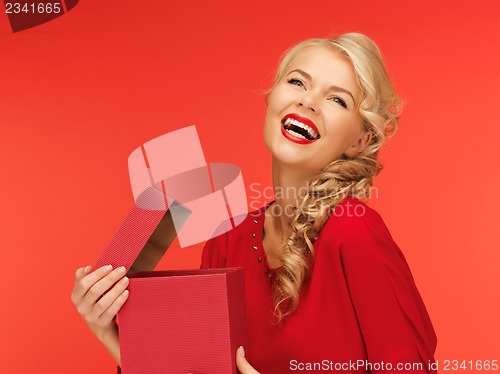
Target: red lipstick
[(305, 129)]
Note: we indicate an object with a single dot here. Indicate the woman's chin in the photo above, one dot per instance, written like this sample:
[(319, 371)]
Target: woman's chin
[(292, 161)]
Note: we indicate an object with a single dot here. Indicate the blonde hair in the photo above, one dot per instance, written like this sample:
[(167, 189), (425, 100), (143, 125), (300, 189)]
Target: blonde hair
[(379, 108)]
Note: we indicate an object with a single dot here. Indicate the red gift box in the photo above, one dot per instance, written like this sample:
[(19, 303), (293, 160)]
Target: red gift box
[(189, 321), (182, 321)]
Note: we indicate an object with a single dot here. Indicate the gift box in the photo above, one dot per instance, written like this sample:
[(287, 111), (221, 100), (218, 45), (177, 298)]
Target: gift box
[(189, 321), (177, 321)]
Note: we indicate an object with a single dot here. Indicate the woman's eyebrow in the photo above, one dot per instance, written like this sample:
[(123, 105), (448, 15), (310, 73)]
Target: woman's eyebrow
[(301, 72), (333, 87)]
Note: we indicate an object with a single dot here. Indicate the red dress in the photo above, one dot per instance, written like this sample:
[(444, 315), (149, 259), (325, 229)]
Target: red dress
[(360, 311)]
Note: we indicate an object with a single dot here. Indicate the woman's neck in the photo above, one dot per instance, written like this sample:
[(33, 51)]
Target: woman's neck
[(289, 183)]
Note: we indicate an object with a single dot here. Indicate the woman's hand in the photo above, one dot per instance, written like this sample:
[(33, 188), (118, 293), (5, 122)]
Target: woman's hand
[(242, 364), (98, 297)]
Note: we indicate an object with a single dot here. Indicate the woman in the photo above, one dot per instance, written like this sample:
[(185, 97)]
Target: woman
[(327, 289)]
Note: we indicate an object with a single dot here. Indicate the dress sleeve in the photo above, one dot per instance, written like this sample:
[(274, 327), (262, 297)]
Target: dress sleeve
[(394, 322)]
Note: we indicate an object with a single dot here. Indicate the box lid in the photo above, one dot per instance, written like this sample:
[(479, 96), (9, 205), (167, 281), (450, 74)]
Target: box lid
[(176, 194)]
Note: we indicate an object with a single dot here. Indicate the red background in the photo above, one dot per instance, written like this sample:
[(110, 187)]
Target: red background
[(78, 94)]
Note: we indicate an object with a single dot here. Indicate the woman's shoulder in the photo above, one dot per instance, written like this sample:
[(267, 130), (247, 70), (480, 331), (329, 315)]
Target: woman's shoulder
[(353, 221), (353, 214)]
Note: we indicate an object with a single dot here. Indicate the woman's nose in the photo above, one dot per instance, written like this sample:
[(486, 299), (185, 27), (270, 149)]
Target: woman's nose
[(308, 101), (308, 107)]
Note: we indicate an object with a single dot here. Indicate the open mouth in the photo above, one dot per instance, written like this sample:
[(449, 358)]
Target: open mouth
[(300, 128)]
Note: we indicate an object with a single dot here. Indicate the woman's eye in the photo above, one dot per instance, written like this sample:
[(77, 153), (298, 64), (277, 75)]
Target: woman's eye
[(339, 101), (296, 82)]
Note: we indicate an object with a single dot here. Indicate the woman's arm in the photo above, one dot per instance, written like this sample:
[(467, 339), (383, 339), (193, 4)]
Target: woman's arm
[(98, 296), (392, 317)]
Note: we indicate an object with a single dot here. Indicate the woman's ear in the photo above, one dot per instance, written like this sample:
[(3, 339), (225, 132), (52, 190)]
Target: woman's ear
[(360, 144)]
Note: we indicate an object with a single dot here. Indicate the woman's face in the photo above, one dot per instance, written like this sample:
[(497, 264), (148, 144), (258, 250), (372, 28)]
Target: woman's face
[(311, 116)]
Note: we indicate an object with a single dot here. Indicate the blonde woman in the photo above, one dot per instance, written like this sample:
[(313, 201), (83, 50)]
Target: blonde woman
[(327, 289)]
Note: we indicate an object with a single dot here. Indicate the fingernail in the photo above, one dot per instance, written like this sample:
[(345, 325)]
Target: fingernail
[(87, 269), (125, 294), (242, 351), (107, 267), (124, 281), (120, 270)]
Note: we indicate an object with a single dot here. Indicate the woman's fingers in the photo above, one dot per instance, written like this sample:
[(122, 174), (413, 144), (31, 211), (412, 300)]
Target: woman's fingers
[(90, 293), (81, 272), (242, 364), (84, 281), (77, 292), (114, 308), (96, 291), (110, 303)]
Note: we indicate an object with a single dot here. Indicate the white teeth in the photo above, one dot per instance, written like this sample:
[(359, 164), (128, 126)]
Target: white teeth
[(296, 134), (294, 122)]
